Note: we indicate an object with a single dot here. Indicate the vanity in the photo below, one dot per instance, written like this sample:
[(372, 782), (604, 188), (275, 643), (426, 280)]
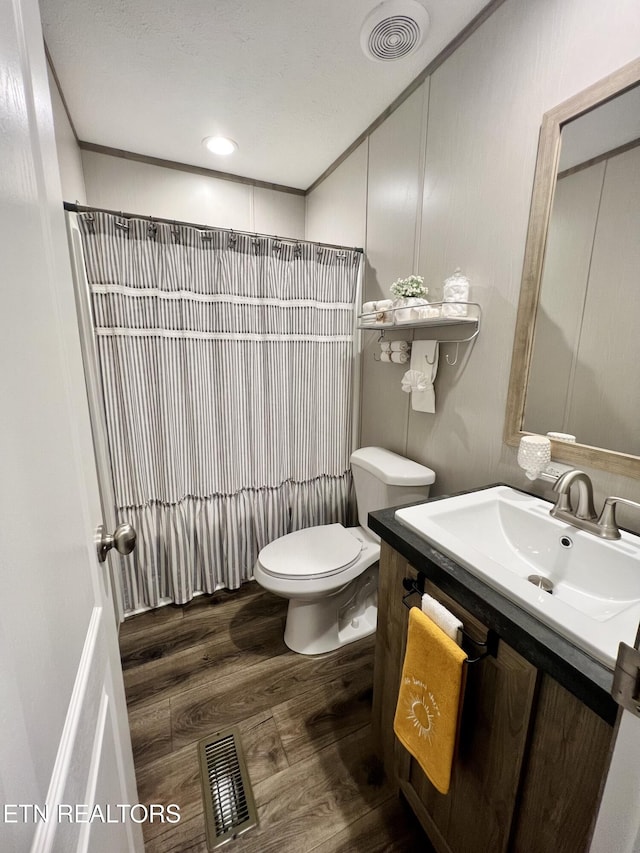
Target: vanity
[(538, 717)]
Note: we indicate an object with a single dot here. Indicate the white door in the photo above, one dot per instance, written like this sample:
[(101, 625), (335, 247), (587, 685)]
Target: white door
[(64, 738), (96, 405)]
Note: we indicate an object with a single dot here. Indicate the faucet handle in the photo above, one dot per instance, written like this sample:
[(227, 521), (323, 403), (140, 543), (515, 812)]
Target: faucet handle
[(607, 520)]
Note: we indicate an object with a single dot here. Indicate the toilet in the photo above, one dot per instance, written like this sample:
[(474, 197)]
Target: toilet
[(330, 573)]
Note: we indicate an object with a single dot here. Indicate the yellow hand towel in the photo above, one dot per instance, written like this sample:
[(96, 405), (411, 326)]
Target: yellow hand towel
[(430, 698)]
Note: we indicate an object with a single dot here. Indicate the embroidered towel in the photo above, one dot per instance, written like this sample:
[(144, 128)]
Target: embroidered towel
[(430, 698), (424, 358), (443, 618)]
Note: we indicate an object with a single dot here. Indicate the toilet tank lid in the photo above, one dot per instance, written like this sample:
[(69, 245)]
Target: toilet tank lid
[(392, 469)]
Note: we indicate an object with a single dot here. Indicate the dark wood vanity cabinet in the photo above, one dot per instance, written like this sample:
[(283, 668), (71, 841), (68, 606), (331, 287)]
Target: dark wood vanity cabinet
[(530, 758)]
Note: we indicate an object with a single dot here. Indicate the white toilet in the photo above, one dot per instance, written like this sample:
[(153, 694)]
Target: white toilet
[(330, 573)]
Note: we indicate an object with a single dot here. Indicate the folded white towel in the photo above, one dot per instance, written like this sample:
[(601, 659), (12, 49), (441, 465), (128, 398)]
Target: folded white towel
[(443, 618), (424, 358), (369, 308), (384, 304), (385, 346), (429, 313), (399, 346), (399, 357), (414, 380), (385, 356)]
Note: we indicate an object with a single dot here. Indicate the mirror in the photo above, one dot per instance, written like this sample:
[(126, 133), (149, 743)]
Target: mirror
[(577, 343)]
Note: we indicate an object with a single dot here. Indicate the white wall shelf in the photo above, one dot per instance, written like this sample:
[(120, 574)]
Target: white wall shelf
[(390, 318), (387, 321)]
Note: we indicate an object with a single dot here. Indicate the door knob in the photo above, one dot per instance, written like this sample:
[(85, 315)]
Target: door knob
[(123, 540)]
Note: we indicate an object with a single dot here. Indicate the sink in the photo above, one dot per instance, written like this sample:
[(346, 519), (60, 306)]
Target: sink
[(504, 536)]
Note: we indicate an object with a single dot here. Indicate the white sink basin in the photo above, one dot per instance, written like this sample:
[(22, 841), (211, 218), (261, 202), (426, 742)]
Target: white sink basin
[(502, 536)]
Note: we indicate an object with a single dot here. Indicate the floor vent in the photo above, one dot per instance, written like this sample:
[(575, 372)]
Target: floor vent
[(229, 808)]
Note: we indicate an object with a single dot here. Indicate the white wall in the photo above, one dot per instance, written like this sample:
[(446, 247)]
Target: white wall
[(337, 209), (115, 183), (69, 161), (482, 115)]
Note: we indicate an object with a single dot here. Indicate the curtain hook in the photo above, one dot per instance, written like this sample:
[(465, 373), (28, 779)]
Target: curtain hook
[(122, 223)]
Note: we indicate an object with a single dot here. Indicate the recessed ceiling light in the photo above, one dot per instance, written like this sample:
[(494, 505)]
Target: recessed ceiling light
[(220, 145)]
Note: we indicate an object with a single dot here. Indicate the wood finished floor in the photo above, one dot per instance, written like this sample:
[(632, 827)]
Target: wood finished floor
[(304, 721)]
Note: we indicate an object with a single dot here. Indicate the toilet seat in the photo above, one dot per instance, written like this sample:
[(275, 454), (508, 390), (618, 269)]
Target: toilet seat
[(312, 553)]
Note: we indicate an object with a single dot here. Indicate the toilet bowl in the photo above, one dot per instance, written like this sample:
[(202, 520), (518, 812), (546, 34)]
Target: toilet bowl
[(321, 571), (329, 573)]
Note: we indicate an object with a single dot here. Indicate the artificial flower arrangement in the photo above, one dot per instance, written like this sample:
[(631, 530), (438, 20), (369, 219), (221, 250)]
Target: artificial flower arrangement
[(410, 287)]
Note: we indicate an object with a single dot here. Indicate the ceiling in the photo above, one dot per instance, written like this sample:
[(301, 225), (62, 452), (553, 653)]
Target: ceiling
[(286, 79)]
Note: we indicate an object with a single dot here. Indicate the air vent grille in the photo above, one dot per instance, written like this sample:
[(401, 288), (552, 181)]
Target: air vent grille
[(394, 38), (393, 29), (228, 802)]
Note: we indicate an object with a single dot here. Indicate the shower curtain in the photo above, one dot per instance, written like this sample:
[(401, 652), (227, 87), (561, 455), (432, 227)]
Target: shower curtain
[(227, 370)]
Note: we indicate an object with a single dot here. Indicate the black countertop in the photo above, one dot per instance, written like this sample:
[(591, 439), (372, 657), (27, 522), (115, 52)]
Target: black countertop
[(579, 673)]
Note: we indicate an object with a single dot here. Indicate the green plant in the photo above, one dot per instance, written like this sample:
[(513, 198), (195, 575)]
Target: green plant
[(413, 285)]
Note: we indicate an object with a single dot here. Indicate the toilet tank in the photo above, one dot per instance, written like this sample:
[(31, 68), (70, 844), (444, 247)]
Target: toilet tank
[(382, 479)]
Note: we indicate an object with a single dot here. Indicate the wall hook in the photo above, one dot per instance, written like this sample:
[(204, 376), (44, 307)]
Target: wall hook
[(455, 360)]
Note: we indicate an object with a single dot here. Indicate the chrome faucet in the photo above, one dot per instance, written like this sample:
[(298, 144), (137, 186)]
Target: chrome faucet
[(563, 506), (584, 517)]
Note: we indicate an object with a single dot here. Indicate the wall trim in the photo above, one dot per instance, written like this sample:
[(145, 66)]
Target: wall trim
[(56, 79), (186, 167)]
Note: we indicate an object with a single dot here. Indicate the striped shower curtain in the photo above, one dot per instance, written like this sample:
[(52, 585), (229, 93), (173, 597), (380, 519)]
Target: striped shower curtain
[(226, 363)]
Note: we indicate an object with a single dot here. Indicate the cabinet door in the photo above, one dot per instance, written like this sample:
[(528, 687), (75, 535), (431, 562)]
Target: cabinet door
[(477, 814), (566, 764)]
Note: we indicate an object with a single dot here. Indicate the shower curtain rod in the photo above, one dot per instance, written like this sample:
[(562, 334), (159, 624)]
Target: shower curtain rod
[(82, 208)]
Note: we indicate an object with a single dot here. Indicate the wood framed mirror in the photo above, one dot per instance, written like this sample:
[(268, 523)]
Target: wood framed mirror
[(576, 356)]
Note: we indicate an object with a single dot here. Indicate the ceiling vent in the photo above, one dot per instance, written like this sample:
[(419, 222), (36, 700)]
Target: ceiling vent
[(393, 29)]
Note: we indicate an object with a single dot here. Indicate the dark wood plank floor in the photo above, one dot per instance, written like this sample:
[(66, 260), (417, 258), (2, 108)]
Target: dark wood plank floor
[(305, 725)]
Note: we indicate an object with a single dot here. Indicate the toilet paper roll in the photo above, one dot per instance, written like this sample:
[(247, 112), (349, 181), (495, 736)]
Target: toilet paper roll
[(385, 346), (399, 346), (385, 356), (399, 357)]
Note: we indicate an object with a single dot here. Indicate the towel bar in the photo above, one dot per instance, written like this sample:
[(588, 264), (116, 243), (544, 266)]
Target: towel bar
[(490, 645)]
